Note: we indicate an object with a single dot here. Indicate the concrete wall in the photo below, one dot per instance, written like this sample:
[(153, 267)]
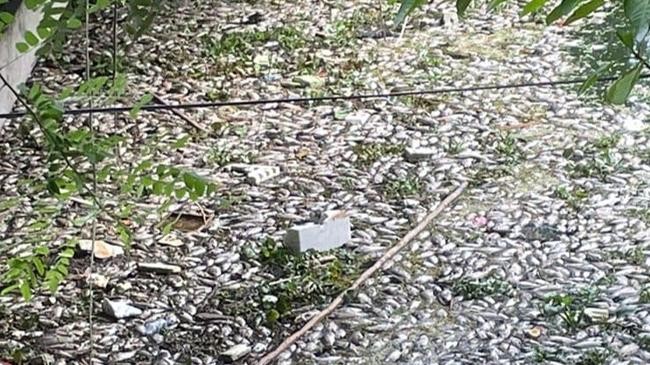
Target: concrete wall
[(18, 69)]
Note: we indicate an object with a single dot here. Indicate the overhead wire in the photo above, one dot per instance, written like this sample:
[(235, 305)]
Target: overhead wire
[(219, 104)]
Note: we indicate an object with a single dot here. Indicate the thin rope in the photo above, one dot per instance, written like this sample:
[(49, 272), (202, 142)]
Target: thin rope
[(219, 104), (94, 172)]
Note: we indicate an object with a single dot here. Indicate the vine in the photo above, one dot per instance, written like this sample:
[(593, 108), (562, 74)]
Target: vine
[(82, 163)]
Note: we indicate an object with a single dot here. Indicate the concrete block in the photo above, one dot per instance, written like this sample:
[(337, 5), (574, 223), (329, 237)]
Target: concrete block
[(333, 232)]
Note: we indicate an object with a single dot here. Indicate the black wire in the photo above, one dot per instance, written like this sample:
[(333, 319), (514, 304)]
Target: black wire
[(218, 104)]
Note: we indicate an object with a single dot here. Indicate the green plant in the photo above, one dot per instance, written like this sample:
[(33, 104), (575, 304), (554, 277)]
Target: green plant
[(607, 142), (634, 256), (454, 147), (368, 153), (220, 156), (573, 197), (480, 288), (403, 187), (242, 44), (644, 297), (68, 149), (61, 18), (569, 307), (631, 29), (595, 357), (301, 279), (508, 148)]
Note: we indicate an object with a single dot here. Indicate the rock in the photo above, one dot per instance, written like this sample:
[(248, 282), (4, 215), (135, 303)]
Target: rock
[(171, 241), (123, 286), (159, 268), (99, 281), (120, 309), (123, 356), (448, 18), (634, 124), (534, 332), (153, 327), (103, 250), (309, 81), (357, 118), (418, 154), (256, 174), (332, 233), (393, 356), (236, 352), (597, 314)]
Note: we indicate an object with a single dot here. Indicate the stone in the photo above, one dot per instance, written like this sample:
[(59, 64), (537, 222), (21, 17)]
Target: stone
[(597, 314), (358, 117), (333, 232), (102, 250), (159, 268), (171, 241), (99, 281), (535, 332), (256, 174), (309, 81), (634, 124), (153, 327), (418, 154), (120, 309), (236, 352)]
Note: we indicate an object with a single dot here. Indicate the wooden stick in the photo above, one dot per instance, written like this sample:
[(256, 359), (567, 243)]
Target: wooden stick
[(179, 114), (364, 276)]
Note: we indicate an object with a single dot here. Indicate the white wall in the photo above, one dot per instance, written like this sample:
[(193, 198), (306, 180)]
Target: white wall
[(19, 70)]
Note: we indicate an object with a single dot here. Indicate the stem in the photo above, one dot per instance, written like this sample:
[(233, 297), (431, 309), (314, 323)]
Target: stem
[(94, 172), (47, 133)]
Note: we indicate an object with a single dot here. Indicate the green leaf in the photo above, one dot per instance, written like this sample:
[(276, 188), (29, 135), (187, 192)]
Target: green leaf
[(638, 14), (26, 291), (533, 6), (53, 187), (406, 8), (144, 100), (619, 91), (38, 264), (32, 4), (73, 23), (461, 6), (8, 289), (180, 193), (584, 11), (167, 229), (627, 38), (181, 142), (5, 17), (31, 38), (565, 7), (591, 80), (158, 187), (67, 253), (22, 47), (44, 32), (495, 3), (42, 250)]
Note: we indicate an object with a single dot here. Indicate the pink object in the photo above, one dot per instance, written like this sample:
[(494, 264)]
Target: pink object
[(479, 221)]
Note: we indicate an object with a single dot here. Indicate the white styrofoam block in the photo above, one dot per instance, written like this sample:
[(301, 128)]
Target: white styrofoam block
[(333, 232)]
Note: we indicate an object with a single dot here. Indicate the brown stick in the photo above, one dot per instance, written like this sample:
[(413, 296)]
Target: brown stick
[(364, 276), (179, 114)]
